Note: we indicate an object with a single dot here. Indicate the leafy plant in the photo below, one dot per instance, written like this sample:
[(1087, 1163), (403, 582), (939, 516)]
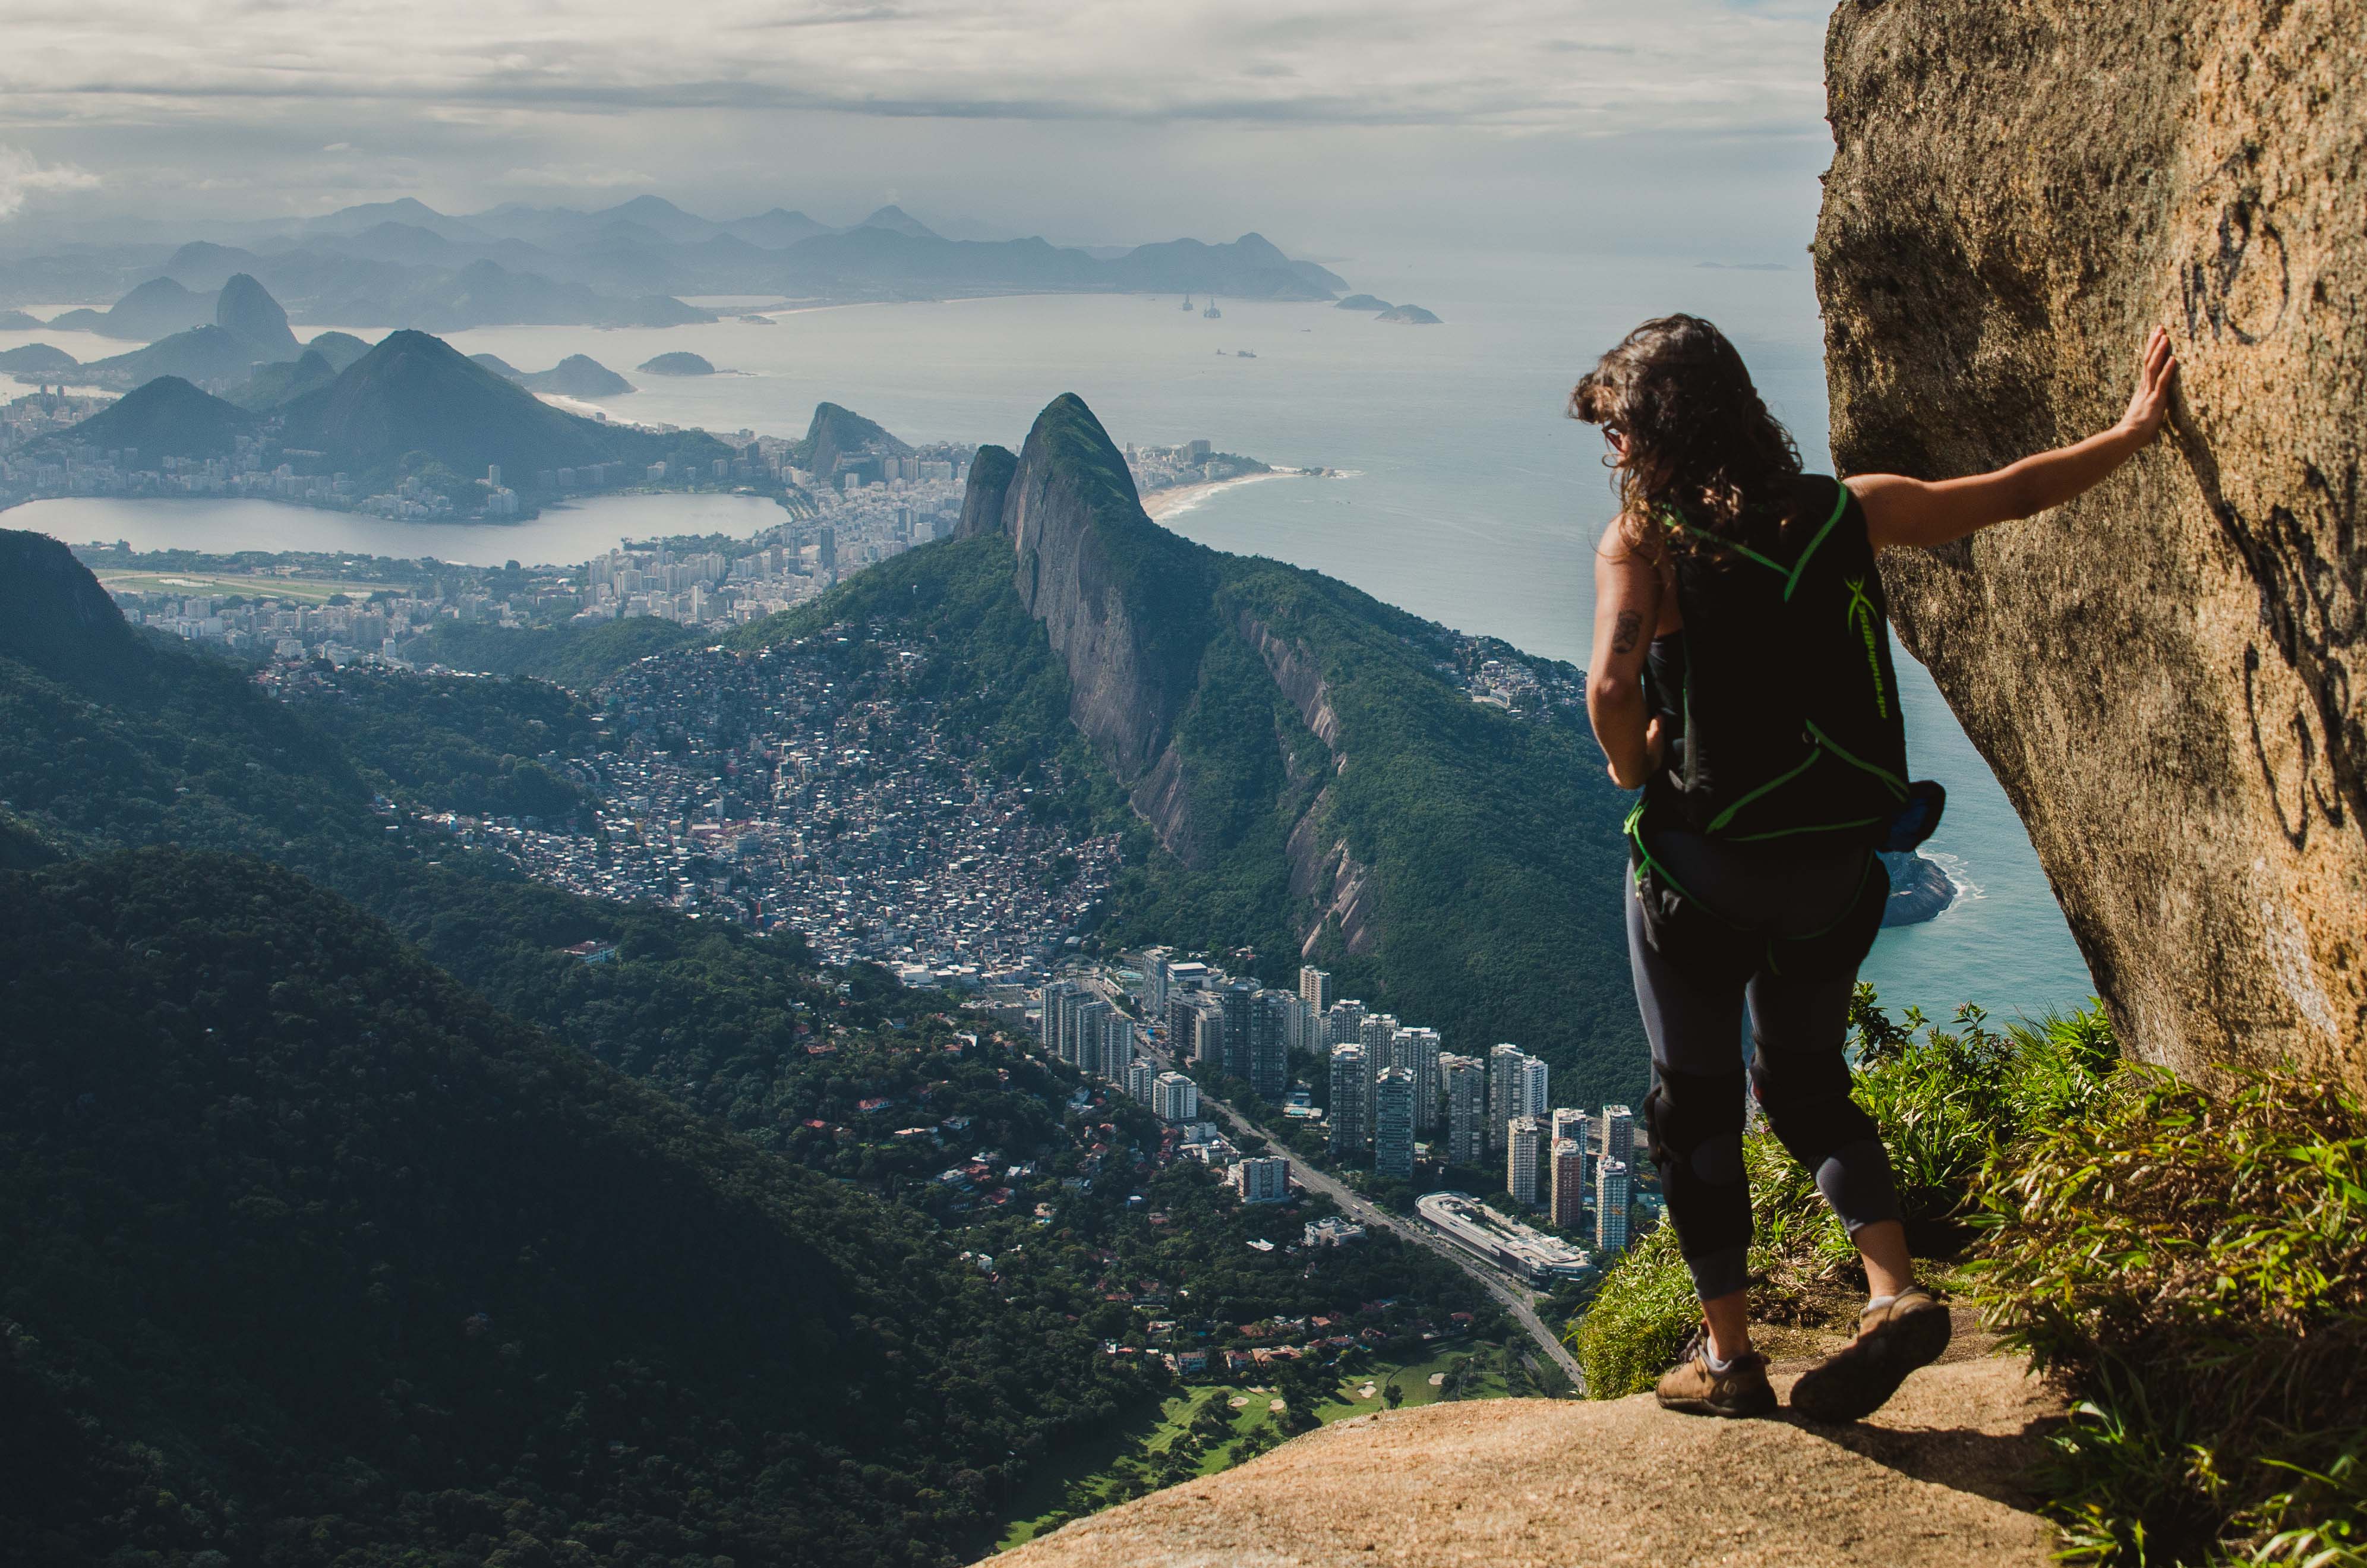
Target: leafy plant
[(2195, 1265)]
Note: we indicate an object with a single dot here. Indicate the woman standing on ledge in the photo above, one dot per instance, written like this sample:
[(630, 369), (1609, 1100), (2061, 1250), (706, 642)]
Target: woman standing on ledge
[(1742, 680)]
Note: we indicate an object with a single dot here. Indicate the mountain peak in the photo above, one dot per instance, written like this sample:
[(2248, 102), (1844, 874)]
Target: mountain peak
[(246, 311), (167, 418), (895, 217), (54, 614)]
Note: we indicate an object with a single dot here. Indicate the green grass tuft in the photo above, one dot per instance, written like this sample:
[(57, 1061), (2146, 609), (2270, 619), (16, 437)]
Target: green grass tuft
[(2194, 1265)]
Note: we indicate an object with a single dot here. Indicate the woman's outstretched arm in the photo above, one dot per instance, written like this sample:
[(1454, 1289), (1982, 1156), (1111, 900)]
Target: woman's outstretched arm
[(1903, 511), (1626, 613)]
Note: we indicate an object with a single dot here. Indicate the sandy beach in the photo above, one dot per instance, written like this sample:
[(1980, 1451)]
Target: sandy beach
[(1183, 497)]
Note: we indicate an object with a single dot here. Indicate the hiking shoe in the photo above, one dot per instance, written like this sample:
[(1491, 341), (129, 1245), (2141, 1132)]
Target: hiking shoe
[(1907, 1330), (1698, 1389)]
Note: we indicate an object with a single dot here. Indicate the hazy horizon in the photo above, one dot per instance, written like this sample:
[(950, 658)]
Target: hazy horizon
[(1696, 129)]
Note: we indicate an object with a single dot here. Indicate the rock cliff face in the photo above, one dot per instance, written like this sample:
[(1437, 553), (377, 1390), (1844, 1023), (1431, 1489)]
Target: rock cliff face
[(1124, 601), (2169, 676)]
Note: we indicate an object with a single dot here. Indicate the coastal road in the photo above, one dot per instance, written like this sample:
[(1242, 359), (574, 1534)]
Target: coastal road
[(1507, 1293)]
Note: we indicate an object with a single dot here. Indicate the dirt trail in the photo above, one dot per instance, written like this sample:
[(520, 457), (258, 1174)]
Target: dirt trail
[(1511, 1483)]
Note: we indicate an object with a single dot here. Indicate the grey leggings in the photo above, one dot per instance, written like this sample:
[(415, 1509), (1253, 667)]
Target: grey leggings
[(1797, 1071)]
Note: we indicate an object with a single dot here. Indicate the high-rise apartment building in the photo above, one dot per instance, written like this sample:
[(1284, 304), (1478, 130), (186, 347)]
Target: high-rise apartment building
[(1174, 1098), (1416, 1051), (1568, 1183), (1571, 1123), (1048, 1018), (1344, 1023), (1315, 987), (1139, 1075), (1238, 1000), (1523, 1137), (1393, 1125), (1611, 1199), (1466, 1109), (1268, 1068), (1619, 1134), (1347, 1113), (1378, 1034), (1081, 1032), (1536, 1097), (1506, 1097)]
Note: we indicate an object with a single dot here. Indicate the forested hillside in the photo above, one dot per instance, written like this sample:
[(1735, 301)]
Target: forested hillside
[(310, 1256)]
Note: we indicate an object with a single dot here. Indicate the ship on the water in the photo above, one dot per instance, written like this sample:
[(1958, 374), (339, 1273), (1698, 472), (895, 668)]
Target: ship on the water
[(1187, 302), (1211, 313)]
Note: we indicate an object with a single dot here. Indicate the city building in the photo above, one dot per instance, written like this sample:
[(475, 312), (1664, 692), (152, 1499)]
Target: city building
[(1261, 1179), (1534, 1092), (1332, 1231), (1273, 1018), (1523, 1141), (1568, 1184), (1238, 1000), (1619, 1134), (1140, 1074), (1507, 1097), (1466, 1109), (1174, 1098), (1498, 1240), (1393, 1125), (1612, 1194), (1416, 1051), (1344, 1023), (1377, 1033), (1347, 1115), (1315, 987)]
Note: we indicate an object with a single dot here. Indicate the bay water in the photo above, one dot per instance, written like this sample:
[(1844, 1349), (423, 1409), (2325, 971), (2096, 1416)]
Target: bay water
[(1466, 495)]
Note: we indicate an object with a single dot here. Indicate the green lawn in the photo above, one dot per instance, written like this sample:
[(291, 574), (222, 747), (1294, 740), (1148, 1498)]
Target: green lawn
[(1127, 1461)]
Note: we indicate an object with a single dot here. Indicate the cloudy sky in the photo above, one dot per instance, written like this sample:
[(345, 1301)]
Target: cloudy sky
[(1683, 125)]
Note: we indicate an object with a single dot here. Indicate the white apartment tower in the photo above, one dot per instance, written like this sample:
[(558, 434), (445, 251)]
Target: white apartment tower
[(1619, 1134), (1315, 987), (1523, 1138), (1505, 1096), (1174, 1098), (1611, 1198)]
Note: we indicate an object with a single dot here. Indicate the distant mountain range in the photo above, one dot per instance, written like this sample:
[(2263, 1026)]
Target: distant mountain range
[(410, 403), (403, 264)]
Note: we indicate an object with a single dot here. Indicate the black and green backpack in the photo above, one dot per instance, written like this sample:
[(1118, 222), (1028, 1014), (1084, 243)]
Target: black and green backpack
[(1781, 707)]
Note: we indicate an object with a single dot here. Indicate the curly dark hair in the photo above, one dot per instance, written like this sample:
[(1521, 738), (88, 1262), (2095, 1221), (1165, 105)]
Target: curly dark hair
[(1699, 438)]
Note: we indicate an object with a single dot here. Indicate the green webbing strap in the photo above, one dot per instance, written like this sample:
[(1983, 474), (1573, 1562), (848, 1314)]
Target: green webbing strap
[(1841, 504), (1672, 518), (1635, 837), (1897, 785), (1816, 827), (1780, 780)]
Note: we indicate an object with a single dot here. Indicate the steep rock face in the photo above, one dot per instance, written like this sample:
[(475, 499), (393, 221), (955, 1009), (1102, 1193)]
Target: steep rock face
[(2169, 676), (989, 479), (1124, 601)]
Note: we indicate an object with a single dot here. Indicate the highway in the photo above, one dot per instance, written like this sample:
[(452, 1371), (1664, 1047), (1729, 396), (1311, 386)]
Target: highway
[(1514, 1297)]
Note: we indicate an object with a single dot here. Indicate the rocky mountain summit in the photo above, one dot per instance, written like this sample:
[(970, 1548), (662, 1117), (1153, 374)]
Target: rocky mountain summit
[(2169, 676), (1932, 1482)]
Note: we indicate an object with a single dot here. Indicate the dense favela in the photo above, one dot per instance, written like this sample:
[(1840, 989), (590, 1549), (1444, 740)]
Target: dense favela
[(778, 793)]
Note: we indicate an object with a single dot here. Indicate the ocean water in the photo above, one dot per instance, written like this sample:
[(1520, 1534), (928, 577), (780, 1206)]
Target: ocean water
[(1467, 497)]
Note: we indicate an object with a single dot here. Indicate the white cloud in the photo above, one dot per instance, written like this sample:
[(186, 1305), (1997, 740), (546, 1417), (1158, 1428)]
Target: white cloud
[(1603, 65), (21, 175)]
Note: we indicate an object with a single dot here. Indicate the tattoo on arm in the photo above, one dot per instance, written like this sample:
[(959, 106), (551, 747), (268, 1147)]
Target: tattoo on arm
[(1626, 631)]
